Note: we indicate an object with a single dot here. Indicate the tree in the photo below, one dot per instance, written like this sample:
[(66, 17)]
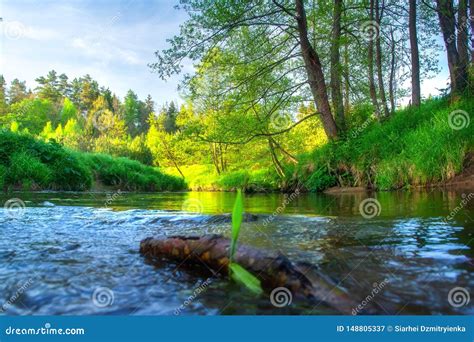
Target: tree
[(131, 112), (48, 87), (456, 62), (370, 55), (336, 87), (17, 91), (378, 57), (3, 98), (232, 26), (415, 59)]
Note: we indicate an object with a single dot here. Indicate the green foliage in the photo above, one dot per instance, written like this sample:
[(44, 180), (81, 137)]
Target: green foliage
[(416, 146), (42, 165), (244, 277), (237, 212), (27, 171), (129, 174), (31, 163), (237, 272)]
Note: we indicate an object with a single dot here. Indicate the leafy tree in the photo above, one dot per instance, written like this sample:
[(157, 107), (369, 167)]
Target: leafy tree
[(17, 91), (3, 101)]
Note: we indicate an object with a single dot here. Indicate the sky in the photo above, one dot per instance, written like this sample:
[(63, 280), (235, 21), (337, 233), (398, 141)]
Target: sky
[(112, 40)]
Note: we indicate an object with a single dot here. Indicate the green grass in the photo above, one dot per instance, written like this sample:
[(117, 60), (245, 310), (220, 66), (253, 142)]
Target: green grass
[(204, 178), (416, 146), (30, 164)]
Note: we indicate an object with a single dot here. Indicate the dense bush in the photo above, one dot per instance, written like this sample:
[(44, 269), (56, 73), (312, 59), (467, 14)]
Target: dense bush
[(415, 146), (129, 174), (27, 163)]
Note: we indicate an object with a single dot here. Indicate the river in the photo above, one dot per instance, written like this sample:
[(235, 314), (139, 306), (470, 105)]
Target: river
[(77, 253)]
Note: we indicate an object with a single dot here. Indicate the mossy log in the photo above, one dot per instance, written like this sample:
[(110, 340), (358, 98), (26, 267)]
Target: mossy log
[(271, 268)]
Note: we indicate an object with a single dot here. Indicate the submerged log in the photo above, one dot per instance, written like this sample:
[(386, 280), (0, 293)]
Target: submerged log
[(271, 268)]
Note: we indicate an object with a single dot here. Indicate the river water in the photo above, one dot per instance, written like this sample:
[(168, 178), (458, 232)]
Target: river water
[(77, 253)]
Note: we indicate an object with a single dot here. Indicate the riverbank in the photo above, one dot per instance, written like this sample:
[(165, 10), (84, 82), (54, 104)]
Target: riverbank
[(27, 163), (429, 146)]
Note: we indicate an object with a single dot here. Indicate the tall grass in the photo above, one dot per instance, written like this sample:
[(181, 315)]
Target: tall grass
[(416, 146), (30, 164)]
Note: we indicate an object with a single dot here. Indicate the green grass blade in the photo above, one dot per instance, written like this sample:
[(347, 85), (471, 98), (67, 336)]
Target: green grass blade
[(241, 275), (236, 222)]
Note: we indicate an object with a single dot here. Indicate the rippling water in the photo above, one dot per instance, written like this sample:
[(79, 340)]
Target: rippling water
[(70, 253)]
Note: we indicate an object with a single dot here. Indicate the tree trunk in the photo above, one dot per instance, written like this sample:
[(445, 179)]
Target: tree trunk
[(273, 270), (471, 12), (276, 162), (447, 21), (336, 91), (462, 37), (415, 59), (370, 57), (215, 158), (393, 61), (378, 59), (347, 101), (315, 73)]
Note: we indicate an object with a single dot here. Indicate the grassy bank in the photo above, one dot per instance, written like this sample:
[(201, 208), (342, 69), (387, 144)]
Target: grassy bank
[(415, 146), (30, 164), (205, 178)]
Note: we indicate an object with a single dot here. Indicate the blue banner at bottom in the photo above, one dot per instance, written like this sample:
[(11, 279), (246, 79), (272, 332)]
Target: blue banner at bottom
[(241, 328)]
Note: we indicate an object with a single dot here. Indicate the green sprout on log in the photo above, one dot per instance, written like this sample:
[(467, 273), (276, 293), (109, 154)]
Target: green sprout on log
[(237, 272)]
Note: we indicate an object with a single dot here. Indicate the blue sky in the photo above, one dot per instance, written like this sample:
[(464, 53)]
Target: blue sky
[(112, 40)]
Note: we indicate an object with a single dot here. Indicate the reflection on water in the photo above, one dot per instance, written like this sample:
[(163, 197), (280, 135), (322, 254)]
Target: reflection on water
[(64, 246)]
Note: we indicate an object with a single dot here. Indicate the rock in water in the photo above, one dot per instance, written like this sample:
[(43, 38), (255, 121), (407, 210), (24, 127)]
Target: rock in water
[(271, 268)]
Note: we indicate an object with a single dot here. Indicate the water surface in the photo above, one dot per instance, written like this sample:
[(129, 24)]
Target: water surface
[(64, 247)]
